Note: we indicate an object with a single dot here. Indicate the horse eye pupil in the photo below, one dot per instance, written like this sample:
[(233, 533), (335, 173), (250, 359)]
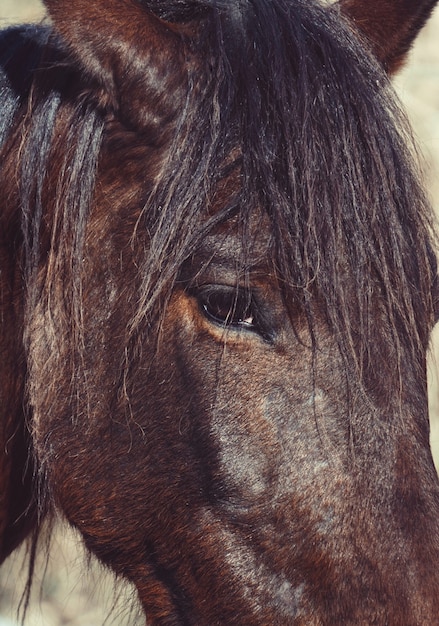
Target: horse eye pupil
[(218, 306), (235, 309), (229, 309)]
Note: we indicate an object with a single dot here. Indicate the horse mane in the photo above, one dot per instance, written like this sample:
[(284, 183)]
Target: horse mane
[(321, 147)]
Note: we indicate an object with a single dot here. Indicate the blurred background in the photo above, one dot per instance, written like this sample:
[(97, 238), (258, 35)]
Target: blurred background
[(70, 588), (15, 11)]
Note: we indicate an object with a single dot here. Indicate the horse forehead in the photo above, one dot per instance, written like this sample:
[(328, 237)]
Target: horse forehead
[(231, 245)]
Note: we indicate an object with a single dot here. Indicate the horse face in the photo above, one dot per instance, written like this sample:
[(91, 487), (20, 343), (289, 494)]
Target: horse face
[(225, 471), (229, 448), (217, 455)]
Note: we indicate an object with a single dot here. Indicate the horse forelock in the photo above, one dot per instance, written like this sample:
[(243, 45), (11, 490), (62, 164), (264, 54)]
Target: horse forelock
[(326, 153), (319, 146)]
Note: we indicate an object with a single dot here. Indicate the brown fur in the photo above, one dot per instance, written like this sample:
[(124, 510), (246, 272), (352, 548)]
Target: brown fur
[(217, 290)]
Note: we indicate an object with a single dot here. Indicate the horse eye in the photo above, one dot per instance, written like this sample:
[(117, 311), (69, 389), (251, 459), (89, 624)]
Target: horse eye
[(228, 307)]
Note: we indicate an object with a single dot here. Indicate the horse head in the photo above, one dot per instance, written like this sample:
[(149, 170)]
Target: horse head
[(230, 288)]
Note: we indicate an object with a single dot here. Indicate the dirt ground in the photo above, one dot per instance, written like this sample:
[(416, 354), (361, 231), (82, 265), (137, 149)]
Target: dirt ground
[(71, 590)]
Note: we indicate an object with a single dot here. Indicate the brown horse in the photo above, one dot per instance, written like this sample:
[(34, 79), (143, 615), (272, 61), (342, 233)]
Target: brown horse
[(217, 288)]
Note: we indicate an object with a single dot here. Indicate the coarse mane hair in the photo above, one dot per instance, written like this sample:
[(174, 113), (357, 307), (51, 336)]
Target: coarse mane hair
[(320, 145)]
